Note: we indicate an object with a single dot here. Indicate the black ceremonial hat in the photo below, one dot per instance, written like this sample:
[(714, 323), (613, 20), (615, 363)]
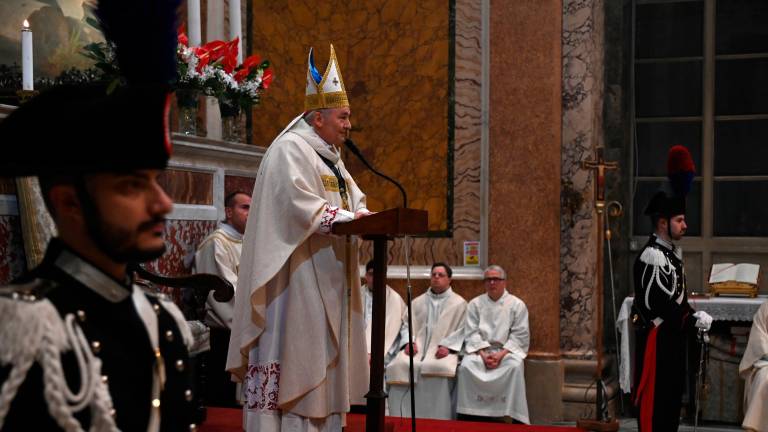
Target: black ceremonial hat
[(83, 129)]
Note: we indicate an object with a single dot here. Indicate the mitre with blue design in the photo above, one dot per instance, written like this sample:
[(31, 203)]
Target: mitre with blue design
[(326, 90)]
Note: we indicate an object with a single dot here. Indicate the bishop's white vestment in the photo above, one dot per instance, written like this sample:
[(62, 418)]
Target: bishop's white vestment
[(437, 320), (298, 324), (493, 326), (754, 370)]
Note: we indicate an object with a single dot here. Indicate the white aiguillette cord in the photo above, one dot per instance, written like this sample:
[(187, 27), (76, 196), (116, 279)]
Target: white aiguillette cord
[(149, 318)]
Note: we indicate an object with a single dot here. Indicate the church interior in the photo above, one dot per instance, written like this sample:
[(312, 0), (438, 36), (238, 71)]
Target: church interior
[(533, 133)]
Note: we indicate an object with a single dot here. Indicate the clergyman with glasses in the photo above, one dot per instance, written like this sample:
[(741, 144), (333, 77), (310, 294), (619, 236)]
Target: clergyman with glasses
[(491, 378)]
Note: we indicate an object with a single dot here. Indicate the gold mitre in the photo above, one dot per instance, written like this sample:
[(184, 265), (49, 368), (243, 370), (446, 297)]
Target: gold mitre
[(326, 91)]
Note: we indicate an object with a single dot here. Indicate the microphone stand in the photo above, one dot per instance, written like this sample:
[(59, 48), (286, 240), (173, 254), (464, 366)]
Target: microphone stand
[(356, 151)]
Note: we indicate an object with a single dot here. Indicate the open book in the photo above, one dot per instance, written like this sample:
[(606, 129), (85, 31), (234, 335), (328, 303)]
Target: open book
[(734, 279)]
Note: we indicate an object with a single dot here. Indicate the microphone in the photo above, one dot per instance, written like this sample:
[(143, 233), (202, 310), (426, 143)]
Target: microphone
[(356, 151)]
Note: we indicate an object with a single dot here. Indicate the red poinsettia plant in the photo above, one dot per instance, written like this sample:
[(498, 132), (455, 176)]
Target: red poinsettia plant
[(212, 68)]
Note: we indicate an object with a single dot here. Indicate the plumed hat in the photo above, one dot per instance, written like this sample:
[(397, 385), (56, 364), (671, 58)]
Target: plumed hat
[(326, 90), (680, 172), (95, 127)]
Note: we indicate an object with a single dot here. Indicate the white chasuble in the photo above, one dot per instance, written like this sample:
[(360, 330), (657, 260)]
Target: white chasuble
[(219, 254), (493, 326), (298, 334), (435, 317), (754, 370)]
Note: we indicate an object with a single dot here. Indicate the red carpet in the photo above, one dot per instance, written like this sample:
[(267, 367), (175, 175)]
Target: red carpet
[(229, 420)]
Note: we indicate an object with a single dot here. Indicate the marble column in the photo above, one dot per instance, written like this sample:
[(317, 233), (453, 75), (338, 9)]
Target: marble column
[(524, 209), (582, 133)]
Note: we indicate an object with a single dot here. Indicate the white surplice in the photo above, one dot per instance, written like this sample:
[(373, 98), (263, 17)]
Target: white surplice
[(493, 326), (219, 254), (437, 319), (754, 370), (298, 315)]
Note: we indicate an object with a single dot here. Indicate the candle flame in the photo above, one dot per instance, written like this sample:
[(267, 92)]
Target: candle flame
[(26, 24)]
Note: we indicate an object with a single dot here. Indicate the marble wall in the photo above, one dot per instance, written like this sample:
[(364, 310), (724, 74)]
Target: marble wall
[(465, 158), (181, 240), (238, 183), (187, 187), (525, 146), (582, 128)]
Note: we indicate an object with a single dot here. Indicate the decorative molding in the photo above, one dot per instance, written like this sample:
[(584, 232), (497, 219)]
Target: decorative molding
[(422, 272), (193, 212)]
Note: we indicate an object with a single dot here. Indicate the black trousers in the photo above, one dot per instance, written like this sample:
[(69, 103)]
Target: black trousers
[(670, 376)]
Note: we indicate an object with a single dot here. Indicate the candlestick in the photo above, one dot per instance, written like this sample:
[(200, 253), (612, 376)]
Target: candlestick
[(235, 27), (26, 58), (193, 22)]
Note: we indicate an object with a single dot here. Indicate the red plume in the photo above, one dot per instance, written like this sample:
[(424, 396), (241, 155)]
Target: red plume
[(680, 160), (680, 170)]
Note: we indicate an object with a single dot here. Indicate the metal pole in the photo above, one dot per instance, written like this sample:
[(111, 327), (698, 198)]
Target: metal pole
[(703, 339), (410, 335)]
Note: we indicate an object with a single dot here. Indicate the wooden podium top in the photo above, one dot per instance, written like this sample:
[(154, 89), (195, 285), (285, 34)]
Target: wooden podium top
[(393, 223)]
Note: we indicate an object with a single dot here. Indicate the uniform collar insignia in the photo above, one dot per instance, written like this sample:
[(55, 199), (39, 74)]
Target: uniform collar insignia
[(93, 278)]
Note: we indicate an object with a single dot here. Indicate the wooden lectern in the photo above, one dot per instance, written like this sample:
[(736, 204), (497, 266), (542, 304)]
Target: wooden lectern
[(381, 227)]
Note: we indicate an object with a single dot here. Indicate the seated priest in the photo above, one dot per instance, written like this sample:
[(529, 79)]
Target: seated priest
[(491, 381), (754, 370), (395, 308), (438, 317), (219, 254)]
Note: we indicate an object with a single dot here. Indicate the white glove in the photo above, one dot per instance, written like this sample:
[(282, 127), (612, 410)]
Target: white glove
[(703, 320)]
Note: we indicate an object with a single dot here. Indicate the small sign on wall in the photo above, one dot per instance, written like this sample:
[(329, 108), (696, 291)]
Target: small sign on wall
[(472, 253)]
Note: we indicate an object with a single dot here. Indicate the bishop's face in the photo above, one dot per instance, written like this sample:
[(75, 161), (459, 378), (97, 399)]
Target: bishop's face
[(333, 125)]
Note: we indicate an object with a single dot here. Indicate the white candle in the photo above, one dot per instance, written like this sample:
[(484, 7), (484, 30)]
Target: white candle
[(193, 22), (235, 27), (27, 82)]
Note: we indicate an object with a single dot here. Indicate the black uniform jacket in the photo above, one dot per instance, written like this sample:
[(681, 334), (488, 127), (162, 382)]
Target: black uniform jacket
[(106, 312)]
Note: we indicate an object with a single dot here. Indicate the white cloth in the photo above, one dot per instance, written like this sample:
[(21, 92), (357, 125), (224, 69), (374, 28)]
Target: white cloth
[(435, 398), (219, 254), (493, 326), (754, 370), (437, 320), (393, 321), (297, 305)]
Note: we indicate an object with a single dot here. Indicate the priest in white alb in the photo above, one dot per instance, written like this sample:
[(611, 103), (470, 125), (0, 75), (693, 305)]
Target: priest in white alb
[(754, 370), (393, 320), (491, 377), (299, 324), (438, 317)]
